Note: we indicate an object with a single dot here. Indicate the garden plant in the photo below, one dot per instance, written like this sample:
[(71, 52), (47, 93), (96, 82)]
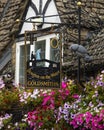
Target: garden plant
[(69, 108)]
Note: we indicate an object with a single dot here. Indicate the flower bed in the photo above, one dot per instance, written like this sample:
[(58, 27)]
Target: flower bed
[(67, 108)]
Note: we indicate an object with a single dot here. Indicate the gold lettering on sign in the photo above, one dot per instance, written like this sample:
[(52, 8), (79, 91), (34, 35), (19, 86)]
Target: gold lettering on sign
[(33, 74), (42, 84), (47, 77), (55, 74), (42, 77)]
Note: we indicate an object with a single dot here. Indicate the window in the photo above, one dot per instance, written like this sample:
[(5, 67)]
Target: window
[(38, 50), (46, 47), (22, 62), (40, 46), (54, 50)]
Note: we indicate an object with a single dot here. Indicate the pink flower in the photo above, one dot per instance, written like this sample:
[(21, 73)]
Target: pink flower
[(52, 93), (64, 85), (88, 117), (77, 121), (40, 124), (76, 96), (52, 106), (67, 92), (74, 124), (46, 99)]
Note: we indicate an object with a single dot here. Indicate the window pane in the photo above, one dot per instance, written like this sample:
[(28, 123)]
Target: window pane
[(40, 51), (54, 50), (21, 65)]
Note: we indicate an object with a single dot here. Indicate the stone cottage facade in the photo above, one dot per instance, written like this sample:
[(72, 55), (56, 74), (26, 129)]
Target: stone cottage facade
[(13, 13)]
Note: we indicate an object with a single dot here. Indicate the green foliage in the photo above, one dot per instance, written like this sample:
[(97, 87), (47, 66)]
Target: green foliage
[(41, 106), (8, 99)]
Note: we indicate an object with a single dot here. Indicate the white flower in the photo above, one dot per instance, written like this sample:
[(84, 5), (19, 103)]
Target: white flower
[(100, 108), (25, 102), (66, 117), (102, 71), (22, 100), (9, 126), (72, 116), (36, 91), (95, 86), (16, 124), (24, 119), (96, 109), (67, 106), (25, 115), (33, 96)]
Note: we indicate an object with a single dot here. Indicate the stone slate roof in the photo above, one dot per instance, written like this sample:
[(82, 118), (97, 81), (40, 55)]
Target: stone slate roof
[(92, 17), (2, 5), (12, 10)]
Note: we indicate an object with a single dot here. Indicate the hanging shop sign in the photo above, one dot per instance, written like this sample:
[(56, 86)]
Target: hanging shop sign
[(42, 67)]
